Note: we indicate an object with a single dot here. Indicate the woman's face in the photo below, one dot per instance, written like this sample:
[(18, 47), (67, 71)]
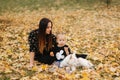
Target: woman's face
[(49, 28)]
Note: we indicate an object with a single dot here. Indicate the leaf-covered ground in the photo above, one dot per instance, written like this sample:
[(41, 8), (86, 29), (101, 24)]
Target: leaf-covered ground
[(95, 32)]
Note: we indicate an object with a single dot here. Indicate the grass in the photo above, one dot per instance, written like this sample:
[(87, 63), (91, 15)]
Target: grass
[(20, 5)]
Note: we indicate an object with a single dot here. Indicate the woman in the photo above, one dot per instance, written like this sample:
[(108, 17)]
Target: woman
[(41, 42)]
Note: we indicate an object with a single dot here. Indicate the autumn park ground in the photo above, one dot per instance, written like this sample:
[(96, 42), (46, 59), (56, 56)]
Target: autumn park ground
[(94, 31)]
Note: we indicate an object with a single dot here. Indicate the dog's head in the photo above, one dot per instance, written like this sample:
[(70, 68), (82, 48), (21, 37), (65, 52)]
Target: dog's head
[(73, 60)]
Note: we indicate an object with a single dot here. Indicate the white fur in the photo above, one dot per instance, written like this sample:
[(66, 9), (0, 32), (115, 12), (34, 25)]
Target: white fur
[(64, 63), (84, 63), (72, 61), (69, 61)]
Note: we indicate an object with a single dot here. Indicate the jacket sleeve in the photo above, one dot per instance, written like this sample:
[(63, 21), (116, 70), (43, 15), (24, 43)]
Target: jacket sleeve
[(32, 42)]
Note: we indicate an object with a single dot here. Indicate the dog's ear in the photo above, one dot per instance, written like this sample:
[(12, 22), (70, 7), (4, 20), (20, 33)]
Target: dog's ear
[(72, 56)]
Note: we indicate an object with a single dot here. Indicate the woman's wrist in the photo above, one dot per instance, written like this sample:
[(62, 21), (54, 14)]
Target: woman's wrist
[(31, 65), (31, 59)]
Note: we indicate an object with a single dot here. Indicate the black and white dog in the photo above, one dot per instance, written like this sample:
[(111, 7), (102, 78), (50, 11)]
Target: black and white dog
[(72, 62)]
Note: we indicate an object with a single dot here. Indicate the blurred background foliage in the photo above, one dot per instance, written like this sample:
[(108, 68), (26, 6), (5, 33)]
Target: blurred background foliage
[(18, 5)]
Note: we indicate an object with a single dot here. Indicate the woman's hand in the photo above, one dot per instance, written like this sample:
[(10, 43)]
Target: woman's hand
[(31, 65)]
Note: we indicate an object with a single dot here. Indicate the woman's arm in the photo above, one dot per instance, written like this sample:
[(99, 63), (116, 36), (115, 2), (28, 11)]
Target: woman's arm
[(32, 54), (32, 39)]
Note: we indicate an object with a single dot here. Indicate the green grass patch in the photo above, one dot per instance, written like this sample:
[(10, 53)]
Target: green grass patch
[(21, 5)]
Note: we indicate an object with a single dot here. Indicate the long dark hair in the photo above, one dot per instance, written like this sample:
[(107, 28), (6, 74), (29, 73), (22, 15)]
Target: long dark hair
[(42, 35)]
